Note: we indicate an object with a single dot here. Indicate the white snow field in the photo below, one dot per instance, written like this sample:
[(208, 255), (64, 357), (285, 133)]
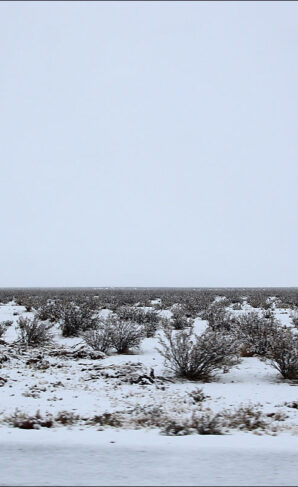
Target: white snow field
[(135, 452)]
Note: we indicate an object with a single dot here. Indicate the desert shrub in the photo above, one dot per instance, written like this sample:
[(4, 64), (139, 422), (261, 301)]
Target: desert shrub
[(218, 318), (198, 395), (25, 421), (258, 300), (202, 424), (6, 323), (106, 419), (256, 333), (295, 319), (151, 323), (77, 319), (50, 311), (99, 338), (32, 333), (131, 313), (124, 334), (197, 357), (149, 319), (245, 418), (282, 353), (2, 329), (179, 320), (67, 418)]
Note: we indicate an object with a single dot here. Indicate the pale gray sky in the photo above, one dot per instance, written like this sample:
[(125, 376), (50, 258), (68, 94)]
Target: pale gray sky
[(149, 144)]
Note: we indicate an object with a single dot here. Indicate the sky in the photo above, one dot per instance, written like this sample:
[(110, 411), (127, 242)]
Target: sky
[(148, 143)]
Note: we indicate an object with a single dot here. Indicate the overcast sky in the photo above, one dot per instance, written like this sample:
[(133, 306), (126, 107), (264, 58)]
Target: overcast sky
[(149, 144)]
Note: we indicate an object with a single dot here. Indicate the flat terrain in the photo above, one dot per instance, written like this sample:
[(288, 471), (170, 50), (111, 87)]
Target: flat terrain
[(134, 451)]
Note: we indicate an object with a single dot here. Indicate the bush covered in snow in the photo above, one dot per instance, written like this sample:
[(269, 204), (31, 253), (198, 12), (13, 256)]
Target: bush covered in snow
[(51, 311), (124, 334), (32, 333), (295, 319), (197, 357), (257, 333), (77, 319), (99, 339), (218, 318), (203, 424), (283, 353), (149, 319), (4, 325), (179, 319)]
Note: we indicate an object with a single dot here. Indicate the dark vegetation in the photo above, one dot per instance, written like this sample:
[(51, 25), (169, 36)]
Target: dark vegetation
[(76, 311)]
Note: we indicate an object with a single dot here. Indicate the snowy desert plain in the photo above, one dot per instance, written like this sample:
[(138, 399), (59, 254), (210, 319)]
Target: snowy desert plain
[(71, 414)]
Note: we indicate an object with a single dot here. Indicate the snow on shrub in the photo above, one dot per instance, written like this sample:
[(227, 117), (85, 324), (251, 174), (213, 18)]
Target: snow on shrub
[(203, 424), (178, 320), (257, 333), (218, 318), (197, 357), (283, 353), (32, 333), (149, 319), (99, 339), (77, 319), (124, 334), (4, 325)]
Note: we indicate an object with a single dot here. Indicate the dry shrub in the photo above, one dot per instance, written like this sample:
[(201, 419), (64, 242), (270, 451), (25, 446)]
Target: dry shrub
[(245, 418), (179, 320), (77, 320), (283, 353), (106, 419), (197, 357), (32, 333), (198, 395), (67, 418), (202, 424), (25, 421), (256, 333), (100, 338), (124, 335)]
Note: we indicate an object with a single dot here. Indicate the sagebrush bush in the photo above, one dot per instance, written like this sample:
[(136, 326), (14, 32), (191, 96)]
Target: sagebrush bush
[(179, 320), (257, 333), (4, 325), (26, 421), (218, 318), (203, 424), (151, 323), (198, 395), (197, 357), (32, 333), (50, 311), (99, 339), (149, 319), (124, 334), (282, 353), (106, 419), (295, 319), (245, 418), (77, 319), (67, 418), (2, 329)]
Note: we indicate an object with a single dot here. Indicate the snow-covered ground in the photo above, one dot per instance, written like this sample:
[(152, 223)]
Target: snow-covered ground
[(74, 457), (136, 453)]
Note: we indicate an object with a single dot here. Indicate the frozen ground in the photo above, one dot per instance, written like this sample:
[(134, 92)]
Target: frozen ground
[(82, 455)]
